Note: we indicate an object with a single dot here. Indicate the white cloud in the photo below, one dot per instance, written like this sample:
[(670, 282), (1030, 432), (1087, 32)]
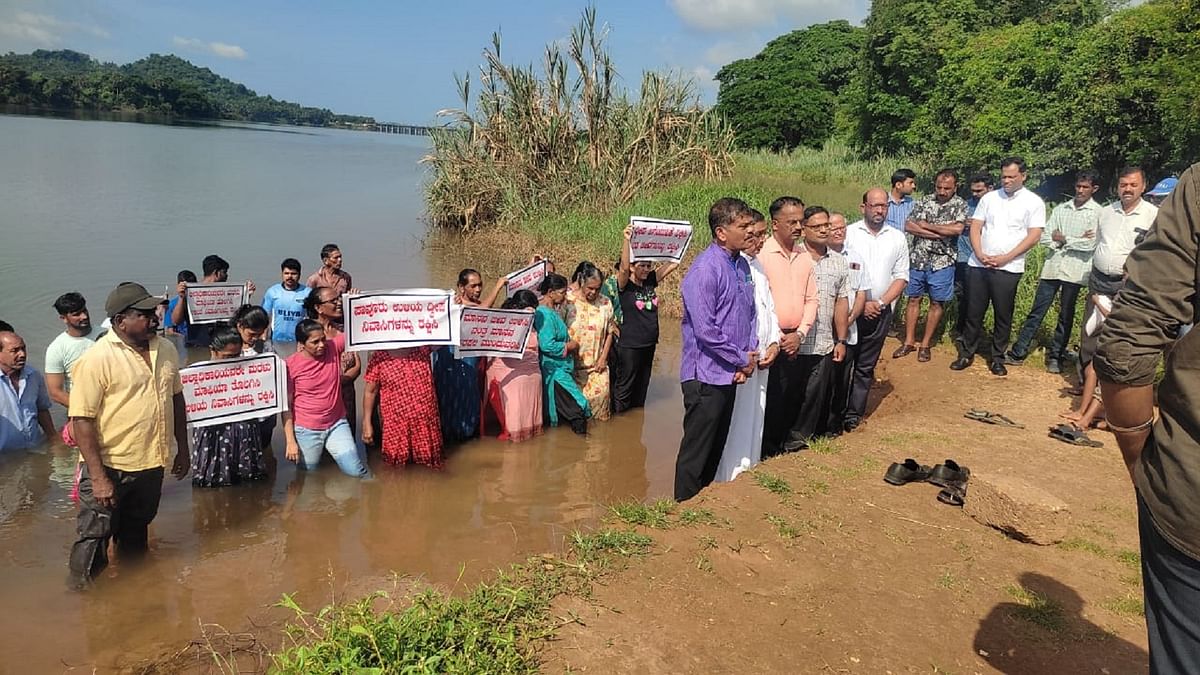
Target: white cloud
[(43, 30), (737, 15), (221, 49)]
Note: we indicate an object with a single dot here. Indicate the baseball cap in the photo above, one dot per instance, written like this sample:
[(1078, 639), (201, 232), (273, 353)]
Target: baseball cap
[(1163, 187), (129, 296)]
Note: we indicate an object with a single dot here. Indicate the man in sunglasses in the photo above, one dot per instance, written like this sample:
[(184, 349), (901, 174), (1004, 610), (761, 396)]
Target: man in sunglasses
[(126, 406)]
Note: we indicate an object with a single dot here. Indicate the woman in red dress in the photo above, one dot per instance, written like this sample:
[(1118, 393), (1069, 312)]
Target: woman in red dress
[(403, 380)]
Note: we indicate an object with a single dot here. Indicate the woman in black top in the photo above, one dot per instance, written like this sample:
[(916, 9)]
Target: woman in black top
[(637, 284)]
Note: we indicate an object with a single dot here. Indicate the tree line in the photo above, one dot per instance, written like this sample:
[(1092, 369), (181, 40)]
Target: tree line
[(163, 84), (1066, 83)]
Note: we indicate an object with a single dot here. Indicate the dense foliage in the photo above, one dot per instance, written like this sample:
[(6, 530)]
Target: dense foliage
[(1067, 83), (786, 96), (68, 80), (566, 136)]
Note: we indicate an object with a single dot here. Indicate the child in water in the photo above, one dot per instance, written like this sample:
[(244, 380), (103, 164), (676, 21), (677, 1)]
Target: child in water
[(227, 454)]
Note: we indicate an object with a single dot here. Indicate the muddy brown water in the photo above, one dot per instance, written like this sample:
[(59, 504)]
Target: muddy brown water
[(90, 204)]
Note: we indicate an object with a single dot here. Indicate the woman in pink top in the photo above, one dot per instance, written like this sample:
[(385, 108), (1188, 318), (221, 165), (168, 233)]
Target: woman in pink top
[(514, 385), (316, 419)]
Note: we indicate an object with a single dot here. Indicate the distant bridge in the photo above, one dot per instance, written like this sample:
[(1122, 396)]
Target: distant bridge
[(410, 129)]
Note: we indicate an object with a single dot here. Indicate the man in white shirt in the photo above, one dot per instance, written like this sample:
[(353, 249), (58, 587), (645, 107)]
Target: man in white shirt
[(884, 254), (1007, 223)]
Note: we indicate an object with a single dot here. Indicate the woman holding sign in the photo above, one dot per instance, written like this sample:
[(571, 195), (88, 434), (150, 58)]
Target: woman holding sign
[(514, 385), (227, 454), (590, 323), (637, 286), (564, 400), (458, 381)]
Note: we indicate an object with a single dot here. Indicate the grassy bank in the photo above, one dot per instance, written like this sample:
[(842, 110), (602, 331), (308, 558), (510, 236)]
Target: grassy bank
[(834, 177)]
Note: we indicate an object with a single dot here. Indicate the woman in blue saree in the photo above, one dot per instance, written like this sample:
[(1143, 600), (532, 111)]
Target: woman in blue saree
[(564, 400)]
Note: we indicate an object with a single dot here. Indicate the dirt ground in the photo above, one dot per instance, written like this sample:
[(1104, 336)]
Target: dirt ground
[(847, 574)]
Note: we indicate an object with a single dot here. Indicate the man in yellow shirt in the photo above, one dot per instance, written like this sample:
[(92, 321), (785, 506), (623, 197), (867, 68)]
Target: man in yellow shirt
[(126, 405)]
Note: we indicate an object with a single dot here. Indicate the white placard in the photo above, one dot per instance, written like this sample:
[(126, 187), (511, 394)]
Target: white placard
[(232, 390), (210, 303), (493, 332), (527, 278), (402, 318), (658, 240)]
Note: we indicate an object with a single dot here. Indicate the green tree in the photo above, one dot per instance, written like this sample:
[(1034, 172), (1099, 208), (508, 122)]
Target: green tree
[(786, 95)]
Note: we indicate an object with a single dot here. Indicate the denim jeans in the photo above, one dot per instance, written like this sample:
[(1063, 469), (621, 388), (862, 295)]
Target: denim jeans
[(338, 440), (1046, 290)]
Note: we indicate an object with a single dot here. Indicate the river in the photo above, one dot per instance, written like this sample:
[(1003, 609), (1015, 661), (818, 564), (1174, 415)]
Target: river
[(88, 204)]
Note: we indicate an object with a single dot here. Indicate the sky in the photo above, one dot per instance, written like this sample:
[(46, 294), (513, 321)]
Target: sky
[(396, 61)]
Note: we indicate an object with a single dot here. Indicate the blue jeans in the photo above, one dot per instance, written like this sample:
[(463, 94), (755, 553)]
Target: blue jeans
[(1046, 290), (338, 440)]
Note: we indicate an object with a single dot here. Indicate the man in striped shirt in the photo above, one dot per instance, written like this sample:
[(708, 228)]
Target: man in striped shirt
[(1069, 239)]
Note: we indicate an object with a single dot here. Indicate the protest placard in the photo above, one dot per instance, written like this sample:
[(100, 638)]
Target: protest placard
[(493, 332), (658, 240), (402, 318), (210, 303), (527, 278), (232, 390)]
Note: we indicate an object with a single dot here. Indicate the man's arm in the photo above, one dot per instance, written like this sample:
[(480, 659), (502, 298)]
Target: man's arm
[(47, 424), (951, 229), (1084, 241), (84, 430), (1032, 236), (183, 456), (56, 385), (920, 228), (1159, 295), (179, 313)]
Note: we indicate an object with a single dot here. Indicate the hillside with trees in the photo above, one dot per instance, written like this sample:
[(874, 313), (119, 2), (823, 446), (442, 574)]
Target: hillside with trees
[(162, 84), (1067, 83)]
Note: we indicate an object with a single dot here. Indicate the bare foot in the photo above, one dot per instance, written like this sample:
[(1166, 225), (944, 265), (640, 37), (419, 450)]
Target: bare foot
[(1071, 415)]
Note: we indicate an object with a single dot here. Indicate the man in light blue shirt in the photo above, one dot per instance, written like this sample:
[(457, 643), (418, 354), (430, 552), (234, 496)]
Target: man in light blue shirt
[(24, 399), (284, 302), (900, 201)]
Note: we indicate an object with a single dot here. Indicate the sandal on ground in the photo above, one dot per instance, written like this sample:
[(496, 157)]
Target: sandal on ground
[(924, 354), (1069, 433), (953, 495), (907, 472), (992, 418), (903, 350), (949, 474)]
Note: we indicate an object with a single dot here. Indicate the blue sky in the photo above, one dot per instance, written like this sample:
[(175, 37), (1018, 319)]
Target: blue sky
[(396, 60)]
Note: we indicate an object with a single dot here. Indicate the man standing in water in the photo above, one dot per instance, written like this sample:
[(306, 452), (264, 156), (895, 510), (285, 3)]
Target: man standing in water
[(720, 347), (24, 402), (70, 344), (284, 303), (331, 274), (1162, 452), (126, 406), (216, 271)]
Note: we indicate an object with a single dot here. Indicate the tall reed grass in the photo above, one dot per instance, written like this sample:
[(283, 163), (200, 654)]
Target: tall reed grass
[(567, 136)]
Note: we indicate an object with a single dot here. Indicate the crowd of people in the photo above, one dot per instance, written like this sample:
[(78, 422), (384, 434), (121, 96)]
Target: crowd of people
[(784, 321)]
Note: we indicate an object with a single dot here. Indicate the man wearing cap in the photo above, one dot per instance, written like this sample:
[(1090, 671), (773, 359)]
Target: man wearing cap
[(126, 405), (1161, 189)]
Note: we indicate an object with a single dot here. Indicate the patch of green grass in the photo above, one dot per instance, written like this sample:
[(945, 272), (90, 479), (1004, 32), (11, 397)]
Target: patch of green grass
[(1131, 559), (812, 486), (782, 527), (597, 546), (948, 581), (772, 483), (650, 515), (1134, 579), (1081, 544), (907, 438), (1037, 609), (697, 517), (824, 445), (1130, 604)]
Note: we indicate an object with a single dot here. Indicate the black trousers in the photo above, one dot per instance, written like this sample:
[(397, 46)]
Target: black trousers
[(632, 376), (989, 286), (960, 292), (707, 411), (840, 375), (796, 391), (1171, 589), (871, 334), (127, 523), (568, 410)]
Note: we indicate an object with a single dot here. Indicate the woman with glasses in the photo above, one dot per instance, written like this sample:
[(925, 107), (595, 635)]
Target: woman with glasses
[(556, 350), (324, 305)]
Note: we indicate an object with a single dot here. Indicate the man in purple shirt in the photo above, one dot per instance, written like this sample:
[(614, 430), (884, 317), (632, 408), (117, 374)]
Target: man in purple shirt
[(720, 344)]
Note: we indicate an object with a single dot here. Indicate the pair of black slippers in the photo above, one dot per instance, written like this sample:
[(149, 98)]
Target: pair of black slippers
[(949, 476)]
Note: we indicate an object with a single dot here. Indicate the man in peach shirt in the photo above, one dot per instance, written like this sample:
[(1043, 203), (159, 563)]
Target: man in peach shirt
[(793, 281)]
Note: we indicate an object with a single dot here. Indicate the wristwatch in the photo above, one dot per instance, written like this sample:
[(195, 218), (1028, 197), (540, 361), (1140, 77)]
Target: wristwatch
[(839, 341)]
